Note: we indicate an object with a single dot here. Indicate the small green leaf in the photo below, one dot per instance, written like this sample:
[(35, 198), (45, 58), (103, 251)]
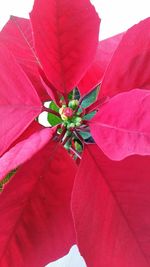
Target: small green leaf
[(85, 135), (90, 98), (78, 146), (7, 178), (53, 119), (53, 106), (89, 116), (74, 94), (68, 145)]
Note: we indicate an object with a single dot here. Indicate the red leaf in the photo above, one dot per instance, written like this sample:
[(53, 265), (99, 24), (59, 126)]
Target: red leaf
[(36, 223), (129, 67), (66, 38), (19, 103), (111, 210), (17, 36), (121, 127), (95, 73), (25, 149)]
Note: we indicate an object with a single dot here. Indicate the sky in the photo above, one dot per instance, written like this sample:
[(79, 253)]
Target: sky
[(117, 16)]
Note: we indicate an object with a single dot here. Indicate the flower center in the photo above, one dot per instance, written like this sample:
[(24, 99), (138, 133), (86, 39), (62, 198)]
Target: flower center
[(69, 114)]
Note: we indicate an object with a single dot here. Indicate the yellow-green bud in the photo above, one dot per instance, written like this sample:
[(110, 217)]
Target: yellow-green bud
[(64, 117), (78, 121), (73, 103), (71, 125)]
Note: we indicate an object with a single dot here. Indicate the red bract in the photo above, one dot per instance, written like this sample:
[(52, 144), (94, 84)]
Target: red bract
[(111, 210), (108, 201), (66, 38), (36, 225), (68, 51), (27, 145), (17, 36), (95, 73), (121, 126), (19, 102), (126, 128)]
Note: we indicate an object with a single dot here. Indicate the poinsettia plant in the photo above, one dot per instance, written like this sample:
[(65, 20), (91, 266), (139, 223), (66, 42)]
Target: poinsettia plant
[(85, 178)]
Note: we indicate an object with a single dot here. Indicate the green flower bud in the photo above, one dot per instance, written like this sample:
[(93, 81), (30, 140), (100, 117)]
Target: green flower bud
[(73, 103), (78, 121), (71, 125)]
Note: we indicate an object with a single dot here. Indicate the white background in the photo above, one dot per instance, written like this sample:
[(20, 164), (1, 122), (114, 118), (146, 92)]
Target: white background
[(117, 16)]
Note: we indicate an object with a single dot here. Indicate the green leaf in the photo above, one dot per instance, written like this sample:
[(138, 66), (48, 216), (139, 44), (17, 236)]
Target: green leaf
[(74, 94), (7, 178), (67, 145), (85, 135), (89, 116), (53, 106), (53, 119), (90, 98), (78, 146)]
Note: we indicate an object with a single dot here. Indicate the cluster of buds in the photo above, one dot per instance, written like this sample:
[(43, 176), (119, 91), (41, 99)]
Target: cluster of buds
[(70, 117)]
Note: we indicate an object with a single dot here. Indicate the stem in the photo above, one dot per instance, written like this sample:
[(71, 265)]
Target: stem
[(85, 122), (66, 99), (80, 101), (79, 137), (67, 138), (73, 95), (83, 129), (49, 110), (75, 152), (93, 107), (60, 137)]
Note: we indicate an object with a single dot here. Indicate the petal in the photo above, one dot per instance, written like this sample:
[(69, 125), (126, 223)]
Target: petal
[(129, 67), (17, 36), (121, 127), (111, 210), (95, 73), (19, 103), (66, 39), (36, 224), (25, 149)]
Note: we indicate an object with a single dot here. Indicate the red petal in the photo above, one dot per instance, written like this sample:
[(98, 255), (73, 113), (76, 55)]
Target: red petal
[(121, 127), (17, 36), (19, 103), (111, 210), (36, 223), (66, 38), (24, 150), (129, 67), (103, 56)]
